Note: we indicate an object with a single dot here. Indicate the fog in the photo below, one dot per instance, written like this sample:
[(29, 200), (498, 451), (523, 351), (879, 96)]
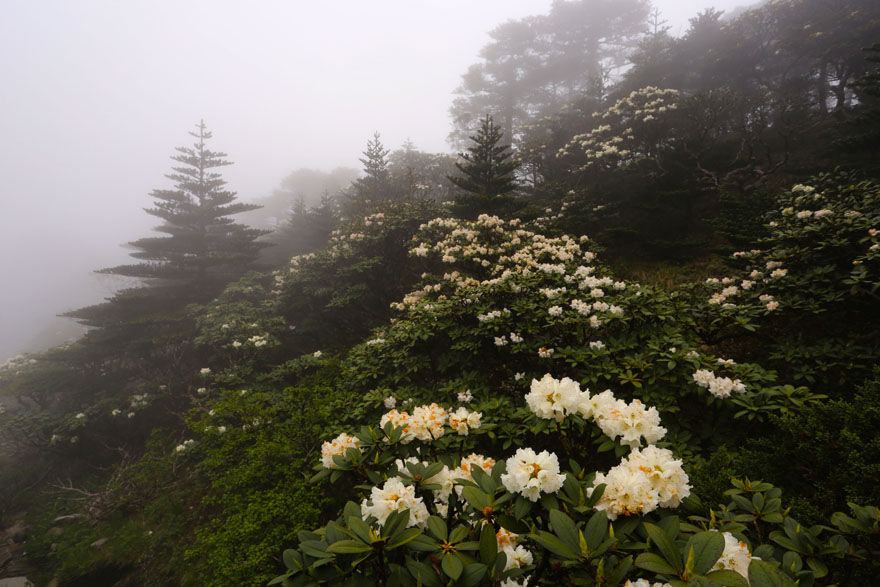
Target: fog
[(95, 95)]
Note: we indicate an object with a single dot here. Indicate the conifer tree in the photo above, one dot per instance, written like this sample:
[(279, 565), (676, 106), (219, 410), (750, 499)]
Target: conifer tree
[(202, 252), (376, 184), (203, 245), (487, 173)]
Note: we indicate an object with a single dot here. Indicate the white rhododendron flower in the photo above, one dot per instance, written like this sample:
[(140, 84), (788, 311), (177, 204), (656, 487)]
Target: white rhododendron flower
[(205, 370), (180, 447), (337, 446), (426, 422), (389, 402), (465, 396), (461, 420), (647, 479), (629, 421), (718, 386), (736, 556), (394, 496), (531, 474), (553, 399)]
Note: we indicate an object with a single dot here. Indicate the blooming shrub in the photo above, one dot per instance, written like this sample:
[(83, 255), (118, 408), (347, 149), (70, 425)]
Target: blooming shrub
[(554, 482)]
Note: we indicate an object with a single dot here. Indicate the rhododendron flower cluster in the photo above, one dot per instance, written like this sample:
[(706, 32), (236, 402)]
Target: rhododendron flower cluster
[(394, 496), (531, 474), (461, 420), (629, 421), (554, 399), (647, 479), (337, 446), (718, 386), (426, 422)]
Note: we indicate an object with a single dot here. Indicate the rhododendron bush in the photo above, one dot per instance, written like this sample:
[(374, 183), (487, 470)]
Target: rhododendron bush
[(527, 419)]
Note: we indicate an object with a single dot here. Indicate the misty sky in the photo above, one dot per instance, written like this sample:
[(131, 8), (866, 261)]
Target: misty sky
[(95, 95)]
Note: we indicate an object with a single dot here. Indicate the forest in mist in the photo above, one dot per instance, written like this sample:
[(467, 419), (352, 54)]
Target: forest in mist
[(570, 292)]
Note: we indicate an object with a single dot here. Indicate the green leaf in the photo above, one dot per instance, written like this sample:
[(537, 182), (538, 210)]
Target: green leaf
[(707, 548), (727, 578), (315, 548), (458, 534), (596, 530), (762, 574), (666, 546), (360, 528), (556, 546), (293, 560), (475, 498), (483, 480), (348, 547), (488, 545), (472, 575), (819, 568), (521, 508), (404, 537), (395, 522), (652, 562), (564, 528), (422, 543), (437, 528), (452, 566), (425, 574)]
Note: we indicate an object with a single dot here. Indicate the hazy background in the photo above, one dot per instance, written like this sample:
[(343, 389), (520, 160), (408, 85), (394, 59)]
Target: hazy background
[(95, 95)]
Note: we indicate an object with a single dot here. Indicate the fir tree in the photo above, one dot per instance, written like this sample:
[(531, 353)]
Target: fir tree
[(375, 185), (202, 252), (203, 247), (487, 173)]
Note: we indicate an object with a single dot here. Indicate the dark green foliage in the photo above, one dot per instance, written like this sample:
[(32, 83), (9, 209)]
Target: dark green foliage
[(861, 130), (828, 295), (828, 455), (740, 218), (334, 297), (306, 230), (257, 471)]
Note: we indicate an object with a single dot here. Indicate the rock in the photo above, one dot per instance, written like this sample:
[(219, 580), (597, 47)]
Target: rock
[(67, 519), (18, 531), (97, 544), (54, 531), (16, 582), (53, 583)]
